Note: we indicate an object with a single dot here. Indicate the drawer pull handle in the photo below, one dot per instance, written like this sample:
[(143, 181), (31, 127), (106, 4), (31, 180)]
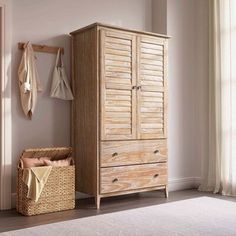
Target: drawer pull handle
[(139, 87), (156, 151), (114, 154), (156, 175), (134, 87), (114, 180)]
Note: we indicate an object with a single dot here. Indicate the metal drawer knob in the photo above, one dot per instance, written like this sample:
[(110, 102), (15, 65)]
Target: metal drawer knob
[(139, 87), (156, 151), (155, 176), (134, 87), (114, 154), (114, 180)]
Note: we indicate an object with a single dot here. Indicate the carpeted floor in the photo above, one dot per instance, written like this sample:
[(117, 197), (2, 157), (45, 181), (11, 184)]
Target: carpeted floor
[(193, 217)]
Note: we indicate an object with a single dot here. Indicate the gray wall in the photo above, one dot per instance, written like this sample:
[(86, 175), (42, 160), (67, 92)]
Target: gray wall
[(186, 21)]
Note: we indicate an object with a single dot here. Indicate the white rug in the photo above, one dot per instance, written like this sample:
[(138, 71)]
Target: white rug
[(194, 217)]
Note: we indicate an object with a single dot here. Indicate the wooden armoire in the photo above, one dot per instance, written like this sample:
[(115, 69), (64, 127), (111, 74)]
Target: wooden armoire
[(119, 114)]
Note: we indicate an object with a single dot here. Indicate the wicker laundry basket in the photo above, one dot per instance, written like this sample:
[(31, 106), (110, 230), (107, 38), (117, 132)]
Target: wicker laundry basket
[(59, 191)]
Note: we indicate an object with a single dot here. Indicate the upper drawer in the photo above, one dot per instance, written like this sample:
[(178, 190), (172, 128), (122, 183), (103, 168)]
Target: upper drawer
[(116, 153)]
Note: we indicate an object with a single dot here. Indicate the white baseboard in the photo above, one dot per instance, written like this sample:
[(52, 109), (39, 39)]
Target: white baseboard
[(183, 183), (173, 185)]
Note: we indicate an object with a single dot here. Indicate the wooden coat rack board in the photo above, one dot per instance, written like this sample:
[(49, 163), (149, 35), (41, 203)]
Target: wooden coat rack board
[(42, 48)]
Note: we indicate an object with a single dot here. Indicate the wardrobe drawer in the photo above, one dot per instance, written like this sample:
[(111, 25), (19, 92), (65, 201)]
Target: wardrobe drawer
[(123, 178), (116, 153)]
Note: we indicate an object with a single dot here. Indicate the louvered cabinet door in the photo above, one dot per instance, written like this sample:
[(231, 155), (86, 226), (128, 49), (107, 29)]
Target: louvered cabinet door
[(118, 80), (152, 87)]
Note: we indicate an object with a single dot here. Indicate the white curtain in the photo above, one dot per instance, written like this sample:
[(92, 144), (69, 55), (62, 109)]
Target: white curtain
[(219, 171)]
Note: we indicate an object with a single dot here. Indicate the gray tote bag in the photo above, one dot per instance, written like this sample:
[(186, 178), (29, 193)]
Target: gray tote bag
[(60, 85)]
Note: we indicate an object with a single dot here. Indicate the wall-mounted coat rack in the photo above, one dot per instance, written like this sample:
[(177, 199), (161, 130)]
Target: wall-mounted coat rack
[(42, 48)]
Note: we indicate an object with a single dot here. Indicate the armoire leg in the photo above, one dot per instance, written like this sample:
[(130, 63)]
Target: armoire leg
[(97, 201), (166, 192)]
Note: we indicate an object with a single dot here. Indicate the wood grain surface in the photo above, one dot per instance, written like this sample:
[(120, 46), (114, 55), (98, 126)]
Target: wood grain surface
[(116, 153), (115, 179), (119, 113)]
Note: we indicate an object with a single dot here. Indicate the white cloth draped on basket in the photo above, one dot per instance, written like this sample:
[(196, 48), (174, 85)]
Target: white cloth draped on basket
[(219, 170), (60, 87), (28, 81), (35, 178)]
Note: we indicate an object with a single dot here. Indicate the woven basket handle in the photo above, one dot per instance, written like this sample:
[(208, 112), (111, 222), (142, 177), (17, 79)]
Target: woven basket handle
[(20, 164)]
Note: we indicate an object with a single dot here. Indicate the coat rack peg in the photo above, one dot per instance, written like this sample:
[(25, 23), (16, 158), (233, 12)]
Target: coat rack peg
[(42, 48)]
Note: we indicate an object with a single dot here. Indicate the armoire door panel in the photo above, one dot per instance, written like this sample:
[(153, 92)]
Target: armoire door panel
[(118, 76), (151, 102)]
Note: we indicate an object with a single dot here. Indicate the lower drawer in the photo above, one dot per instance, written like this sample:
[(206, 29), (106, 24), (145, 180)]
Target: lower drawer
[(123, 178)]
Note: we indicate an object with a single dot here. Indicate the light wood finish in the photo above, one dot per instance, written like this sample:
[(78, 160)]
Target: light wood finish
[(119, 111), (85, 114), (165, 89), (42, 48), (166, 192), (139, 190), (97, 201), (118, 76), (118, 179), (117, 153), (151, 95), (99, 25)]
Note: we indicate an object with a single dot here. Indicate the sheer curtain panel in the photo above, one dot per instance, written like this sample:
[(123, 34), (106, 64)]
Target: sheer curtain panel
[(219, 170)]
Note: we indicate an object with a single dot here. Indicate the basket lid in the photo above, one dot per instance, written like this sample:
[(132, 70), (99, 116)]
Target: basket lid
[(54, 153)]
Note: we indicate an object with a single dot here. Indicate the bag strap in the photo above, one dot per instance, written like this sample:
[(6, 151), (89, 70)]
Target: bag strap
[(58, 55), (62, 64), (59, 58)]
